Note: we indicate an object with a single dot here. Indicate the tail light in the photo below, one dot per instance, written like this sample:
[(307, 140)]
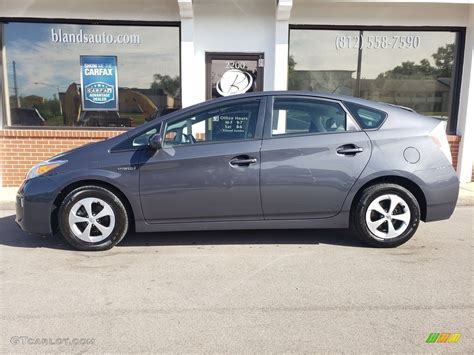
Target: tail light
[(441, 140)]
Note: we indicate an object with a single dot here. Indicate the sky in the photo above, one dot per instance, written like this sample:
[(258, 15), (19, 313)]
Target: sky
[(39, 59)]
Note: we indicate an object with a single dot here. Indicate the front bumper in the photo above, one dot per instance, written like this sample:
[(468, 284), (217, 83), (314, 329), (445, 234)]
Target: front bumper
[(35, 204)]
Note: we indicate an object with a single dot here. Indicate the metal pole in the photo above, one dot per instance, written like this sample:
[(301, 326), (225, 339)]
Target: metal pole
[(359, 62), (61, 107), (15, 86)]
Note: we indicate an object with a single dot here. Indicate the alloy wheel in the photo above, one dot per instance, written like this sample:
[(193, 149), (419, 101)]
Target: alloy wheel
[(91, 219), (388, 216)]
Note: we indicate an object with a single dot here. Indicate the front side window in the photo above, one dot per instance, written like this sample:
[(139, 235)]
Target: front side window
[(411, 68), (303, 116), (45, 74), (232, 122)]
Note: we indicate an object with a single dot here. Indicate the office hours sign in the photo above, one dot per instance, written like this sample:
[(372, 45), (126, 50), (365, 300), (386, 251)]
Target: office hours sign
[(99, 83)]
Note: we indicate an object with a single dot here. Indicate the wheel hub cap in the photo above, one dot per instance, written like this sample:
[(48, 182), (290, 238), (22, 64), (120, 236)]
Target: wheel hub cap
[(388, 216), (91, 219)]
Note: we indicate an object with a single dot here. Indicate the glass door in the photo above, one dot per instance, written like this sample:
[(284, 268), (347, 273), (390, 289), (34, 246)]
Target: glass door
[(233, 73)]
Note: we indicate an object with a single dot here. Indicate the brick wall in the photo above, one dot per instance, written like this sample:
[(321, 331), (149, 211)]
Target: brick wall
[(454, 144), (21, 149)]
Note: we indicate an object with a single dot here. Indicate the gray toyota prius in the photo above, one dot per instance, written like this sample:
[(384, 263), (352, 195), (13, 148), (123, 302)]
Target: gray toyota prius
[(255, 161)]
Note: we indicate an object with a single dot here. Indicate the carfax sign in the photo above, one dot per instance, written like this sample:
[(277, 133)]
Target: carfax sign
[(99, 84)]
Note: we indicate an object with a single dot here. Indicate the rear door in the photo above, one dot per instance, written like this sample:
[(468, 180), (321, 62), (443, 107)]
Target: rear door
[(208, 168), (312, 154)]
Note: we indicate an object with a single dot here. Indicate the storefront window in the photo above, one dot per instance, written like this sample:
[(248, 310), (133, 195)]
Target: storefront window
[(314, 64), (416, 69), (44, 74)]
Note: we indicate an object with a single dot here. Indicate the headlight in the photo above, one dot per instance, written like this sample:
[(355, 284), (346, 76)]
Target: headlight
[(43, 168)]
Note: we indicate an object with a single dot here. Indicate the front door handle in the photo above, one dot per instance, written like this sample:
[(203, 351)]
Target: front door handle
[(243, 160), (349, 149)]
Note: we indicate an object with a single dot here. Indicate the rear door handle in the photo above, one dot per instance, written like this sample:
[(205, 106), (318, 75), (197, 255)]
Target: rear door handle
[(349, 149), (242, 161)]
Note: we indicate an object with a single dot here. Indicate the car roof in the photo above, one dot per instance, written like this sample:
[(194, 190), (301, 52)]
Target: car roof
[(378, 105)]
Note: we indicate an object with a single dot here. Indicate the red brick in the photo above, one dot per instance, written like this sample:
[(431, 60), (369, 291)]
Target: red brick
[(21, 149)]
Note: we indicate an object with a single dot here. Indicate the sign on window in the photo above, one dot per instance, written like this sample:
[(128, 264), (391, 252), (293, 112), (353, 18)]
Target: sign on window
[(99, 84)]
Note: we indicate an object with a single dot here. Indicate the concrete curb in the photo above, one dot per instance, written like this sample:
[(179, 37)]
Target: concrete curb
[(7, 205), (465, 201)]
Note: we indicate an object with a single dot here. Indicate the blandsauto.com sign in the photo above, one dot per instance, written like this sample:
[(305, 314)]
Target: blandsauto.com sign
[(58, 35)]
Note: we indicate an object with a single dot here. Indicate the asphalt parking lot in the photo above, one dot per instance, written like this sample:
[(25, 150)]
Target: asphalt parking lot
[(242, 291)]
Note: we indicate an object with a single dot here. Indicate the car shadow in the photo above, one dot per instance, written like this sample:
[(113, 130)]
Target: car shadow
[(244, 237), (12, 236)]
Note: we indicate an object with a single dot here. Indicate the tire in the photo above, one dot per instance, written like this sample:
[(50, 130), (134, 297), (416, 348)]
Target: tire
[(78, 220), (376, 222)]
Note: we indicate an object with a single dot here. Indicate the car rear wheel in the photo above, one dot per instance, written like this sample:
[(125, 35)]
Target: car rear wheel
[(386, 215), (92, 218)]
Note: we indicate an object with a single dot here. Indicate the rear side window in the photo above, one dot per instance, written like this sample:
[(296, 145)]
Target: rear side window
[(367, 117), (303, 116)]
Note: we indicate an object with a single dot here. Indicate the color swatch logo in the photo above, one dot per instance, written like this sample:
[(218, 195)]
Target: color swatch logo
[(443, 338)]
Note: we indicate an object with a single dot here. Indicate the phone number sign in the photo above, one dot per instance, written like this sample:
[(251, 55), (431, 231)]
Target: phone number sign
[(99, 83), (378, 42)]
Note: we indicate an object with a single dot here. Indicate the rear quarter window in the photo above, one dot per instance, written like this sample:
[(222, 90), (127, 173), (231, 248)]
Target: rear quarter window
[(367, 117)]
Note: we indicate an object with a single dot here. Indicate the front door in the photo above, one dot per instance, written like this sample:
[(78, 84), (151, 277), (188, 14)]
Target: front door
[(312, 154), (233, 73), (208, 168)]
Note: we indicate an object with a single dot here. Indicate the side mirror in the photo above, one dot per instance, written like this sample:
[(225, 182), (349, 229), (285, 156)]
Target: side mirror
[(155, 141)]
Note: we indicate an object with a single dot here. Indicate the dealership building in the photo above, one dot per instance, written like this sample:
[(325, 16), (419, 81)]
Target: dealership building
[(168, 54)]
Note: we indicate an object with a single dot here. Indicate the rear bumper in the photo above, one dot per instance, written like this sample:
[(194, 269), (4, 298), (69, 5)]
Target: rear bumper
[(439, 212), (441, 192), (34, 205)]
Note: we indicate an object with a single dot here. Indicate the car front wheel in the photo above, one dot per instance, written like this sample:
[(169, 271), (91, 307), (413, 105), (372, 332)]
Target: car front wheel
[(92, 218), (386, 215)]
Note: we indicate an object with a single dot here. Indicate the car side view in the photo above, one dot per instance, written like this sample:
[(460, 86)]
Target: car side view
[(264, 160)]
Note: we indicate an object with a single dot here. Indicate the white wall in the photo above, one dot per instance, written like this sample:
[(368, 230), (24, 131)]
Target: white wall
[(233, 26), (384, 14), (132, 10), (466, 108)]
